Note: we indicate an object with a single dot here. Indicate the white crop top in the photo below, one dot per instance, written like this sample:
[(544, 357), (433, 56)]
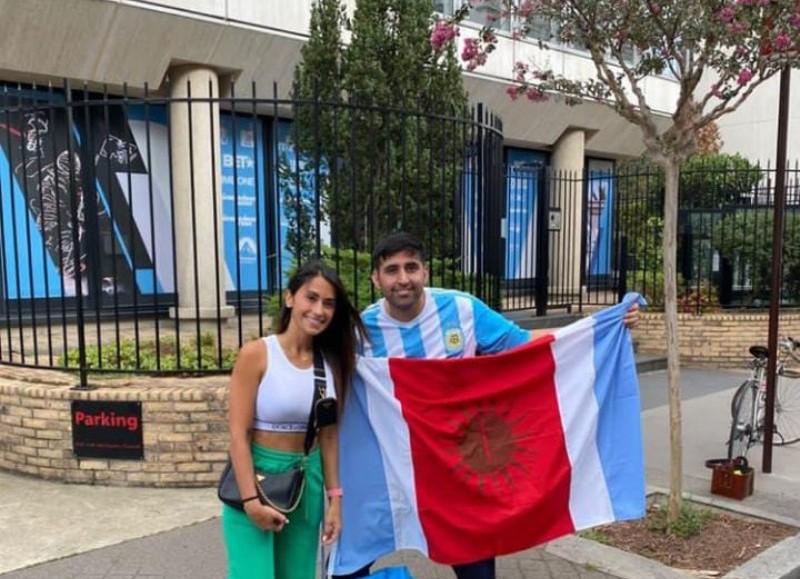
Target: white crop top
[(283, 401)]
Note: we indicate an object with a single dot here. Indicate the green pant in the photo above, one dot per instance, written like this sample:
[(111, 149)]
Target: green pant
[(291, 553)]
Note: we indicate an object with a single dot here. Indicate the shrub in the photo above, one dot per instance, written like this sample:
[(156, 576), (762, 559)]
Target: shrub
[(699, 299), (147, 357), (690, 522), (744, 239)]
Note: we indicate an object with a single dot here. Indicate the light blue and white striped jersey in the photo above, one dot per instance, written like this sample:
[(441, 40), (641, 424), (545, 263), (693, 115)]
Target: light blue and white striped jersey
[(452, 324)]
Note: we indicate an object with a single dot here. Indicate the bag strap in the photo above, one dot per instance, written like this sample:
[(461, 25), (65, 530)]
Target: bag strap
[(320, 386)]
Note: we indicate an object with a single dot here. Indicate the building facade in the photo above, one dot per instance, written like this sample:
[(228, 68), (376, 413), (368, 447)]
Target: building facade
[(121, 49)]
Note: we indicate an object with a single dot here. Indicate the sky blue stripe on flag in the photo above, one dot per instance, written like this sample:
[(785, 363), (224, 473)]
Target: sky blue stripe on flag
[(372, 517), (619, 438)]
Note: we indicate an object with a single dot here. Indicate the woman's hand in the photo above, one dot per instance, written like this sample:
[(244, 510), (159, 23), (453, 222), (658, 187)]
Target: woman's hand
[(333, 522), (264, 517)]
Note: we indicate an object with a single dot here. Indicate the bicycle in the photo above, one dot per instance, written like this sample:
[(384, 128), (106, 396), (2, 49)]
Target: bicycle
[(749, 400)]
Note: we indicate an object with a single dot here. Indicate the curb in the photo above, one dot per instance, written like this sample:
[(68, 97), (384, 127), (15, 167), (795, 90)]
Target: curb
[(781, 561), (645, 364)]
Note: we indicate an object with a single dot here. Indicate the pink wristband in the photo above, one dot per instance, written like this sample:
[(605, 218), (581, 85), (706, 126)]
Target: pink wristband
[(337, 492)]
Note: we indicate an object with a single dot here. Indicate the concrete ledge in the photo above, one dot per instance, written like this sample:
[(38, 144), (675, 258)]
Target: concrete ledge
[(646, 364), (611, 560), (781, 561)]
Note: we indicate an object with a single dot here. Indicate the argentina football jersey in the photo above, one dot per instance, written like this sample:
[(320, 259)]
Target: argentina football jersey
[(452, 324)]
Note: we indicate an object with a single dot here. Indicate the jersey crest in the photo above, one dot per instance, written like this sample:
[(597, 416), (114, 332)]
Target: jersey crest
[(453, 340)]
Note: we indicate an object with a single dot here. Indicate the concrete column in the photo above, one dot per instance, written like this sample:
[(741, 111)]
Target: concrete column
[(567, 195), (197, 194)]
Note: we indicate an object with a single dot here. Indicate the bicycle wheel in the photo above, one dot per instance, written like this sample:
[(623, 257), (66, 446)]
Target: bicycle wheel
[(741, 436), (787, 411)]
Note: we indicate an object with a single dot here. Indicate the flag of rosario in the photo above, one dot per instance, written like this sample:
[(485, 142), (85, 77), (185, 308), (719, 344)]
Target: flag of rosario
[(468, 459)]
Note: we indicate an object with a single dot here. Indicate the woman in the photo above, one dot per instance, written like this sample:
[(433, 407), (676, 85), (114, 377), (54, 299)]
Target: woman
[(271, 392)]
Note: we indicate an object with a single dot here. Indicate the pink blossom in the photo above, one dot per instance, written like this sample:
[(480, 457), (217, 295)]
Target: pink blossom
[(736, 27), (442, 34), (717, 91), (795, 20), (535, 95), (745, 76), (726, 14), (525, 10), (782, 42), (512, 92), (470, 50), (472, 54), (746, 2)]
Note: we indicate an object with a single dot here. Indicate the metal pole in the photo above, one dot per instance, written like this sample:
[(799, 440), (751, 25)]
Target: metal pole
[(76, 242), (777, 252)]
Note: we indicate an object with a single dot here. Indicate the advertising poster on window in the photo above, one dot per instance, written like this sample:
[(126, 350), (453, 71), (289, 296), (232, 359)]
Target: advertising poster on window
[(599, 217), (122, 223), (40, 252), (244, 207), (522, 181), (133, 207)]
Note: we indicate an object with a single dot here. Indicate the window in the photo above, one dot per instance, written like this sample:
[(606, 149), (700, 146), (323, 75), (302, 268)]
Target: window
[(541, 29), (444, 7), (489, 11)]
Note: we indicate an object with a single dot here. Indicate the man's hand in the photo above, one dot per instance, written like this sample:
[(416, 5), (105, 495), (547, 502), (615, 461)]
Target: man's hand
[(631, 317)]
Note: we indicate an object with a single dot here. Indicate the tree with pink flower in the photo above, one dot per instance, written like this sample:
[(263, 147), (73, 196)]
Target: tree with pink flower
[(718, 51)]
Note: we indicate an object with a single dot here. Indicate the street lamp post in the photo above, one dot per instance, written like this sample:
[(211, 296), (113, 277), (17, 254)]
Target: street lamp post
[(777, 266)]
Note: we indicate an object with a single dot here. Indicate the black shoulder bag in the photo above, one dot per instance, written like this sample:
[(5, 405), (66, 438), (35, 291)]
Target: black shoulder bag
[(281, 491)]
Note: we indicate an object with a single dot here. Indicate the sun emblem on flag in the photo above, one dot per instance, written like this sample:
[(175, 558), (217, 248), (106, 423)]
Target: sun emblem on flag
[(489, 449)]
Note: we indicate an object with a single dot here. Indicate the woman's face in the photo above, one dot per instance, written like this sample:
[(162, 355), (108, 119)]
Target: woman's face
[(313, 305)]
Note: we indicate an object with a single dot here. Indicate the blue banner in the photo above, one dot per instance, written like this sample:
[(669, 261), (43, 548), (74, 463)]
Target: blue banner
[(523, 169), (599, 205), (243, 203)]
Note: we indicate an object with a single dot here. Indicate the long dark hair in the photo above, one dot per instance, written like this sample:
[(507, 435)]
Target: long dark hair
[(339, 342)]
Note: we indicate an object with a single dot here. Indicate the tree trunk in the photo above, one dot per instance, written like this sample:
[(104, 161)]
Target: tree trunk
[(671, 169)]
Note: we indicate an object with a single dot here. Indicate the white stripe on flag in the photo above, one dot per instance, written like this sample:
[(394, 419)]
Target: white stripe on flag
[(391, 430), (573, 353)]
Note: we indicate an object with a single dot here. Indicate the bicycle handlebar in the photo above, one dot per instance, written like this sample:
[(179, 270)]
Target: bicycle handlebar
[(790, 347)]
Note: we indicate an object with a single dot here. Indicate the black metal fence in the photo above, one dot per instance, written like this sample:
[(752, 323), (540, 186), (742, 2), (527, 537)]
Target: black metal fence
[(725, 236), (151, 233), (593, 236)]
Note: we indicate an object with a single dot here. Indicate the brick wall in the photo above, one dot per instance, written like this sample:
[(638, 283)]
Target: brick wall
[(184, 429), (184, 421), (719, 340)]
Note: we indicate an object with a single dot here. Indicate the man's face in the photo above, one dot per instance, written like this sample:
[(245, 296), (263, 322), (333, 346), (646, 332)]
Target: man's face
[(401, 277)]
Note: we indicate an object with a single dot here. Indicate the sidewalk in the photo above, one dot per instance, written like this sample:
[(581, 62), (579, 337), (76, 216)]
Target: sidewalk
[(60, 531)]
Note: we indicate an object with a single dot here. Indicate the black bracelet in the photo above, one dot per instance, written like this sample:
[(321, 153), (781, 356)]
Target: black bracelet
[(248, 499)]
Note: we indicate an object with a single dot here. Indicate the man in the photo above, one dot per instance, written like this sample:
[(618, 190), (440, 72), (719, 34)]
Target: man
[(414, 321)]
